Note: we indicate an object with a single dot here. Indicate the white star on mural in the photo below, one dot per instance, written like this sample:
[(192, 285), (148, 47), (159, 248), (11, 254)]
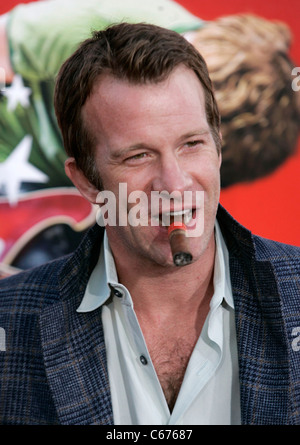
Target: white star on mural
[(16, 169), (17, 93)]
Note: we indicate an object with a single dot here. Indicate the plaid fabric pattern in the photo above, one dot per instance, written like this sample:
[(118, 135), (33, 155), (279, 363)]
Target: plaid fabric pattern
[(265, 278), (53, 366)]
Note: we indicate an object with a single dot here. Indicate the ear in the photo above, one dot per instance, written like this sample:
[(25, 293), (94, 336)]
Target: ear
[(85, 187), (220, 154)]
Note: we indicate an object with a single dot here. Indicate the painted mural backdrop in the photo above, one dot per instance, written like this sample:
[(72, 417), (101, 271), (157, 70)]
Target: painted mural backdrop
[(253, 58)]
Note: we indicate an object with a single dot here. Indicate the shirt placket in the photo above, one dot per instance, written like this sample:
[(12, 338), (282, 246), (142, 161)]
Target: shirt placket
[(141, 353)]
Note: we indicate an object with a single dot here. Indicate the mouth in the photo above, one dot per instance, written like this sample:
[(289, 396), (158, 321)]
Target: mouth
[(167, 218)]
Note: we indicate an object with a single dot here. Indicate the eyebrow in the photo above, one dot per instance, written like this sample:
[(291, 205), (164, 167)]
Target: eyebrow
[(195, 133), (118, 153)]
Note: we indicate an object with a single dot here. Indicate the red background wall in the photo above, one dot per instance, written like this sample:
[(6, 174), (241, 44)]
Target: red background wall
[(269, 206)]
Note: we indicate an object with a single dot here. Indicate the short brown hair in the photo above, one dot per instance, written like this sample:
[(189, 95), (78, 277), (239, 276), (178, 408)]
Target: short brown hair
[(139, 53)]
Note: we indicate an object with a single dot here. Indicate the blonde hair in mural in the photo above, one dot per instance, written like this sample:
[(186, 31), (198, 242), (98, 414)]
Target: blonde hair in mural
[(248, 61)]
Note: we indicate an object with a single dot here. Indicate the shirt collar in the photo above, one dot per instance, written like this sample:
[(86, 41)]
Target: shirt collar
[(222, 282), (98, 288)]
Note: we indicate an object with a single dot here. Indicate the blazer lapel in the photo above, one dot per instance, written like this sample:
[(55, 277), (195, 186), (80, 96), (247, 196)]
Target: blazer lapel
[(73, 345)]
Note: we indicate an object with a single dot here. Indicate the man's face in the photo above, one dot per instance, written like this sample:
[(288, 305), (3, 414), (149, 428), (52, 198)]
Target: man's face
[(155, 138)]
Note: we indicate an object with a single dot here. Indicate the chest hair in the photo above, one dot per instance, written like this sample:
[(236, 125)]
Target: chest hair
[(170, 346), (170, 358)]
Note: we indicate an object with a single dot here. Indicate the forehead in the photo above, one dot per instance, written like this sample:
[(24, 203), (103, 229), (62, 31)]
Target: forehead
[(119, 105)]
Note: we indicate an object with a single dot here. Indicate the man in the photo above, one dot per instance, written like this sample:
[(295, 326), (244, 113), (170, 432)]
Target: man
[(116, 333)]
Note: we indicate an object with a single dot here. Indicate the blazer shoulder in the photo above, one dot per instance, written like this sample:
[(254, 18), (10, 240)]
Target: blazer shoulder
[(270, 250), (38, 286), (284, 260), (59, 279)]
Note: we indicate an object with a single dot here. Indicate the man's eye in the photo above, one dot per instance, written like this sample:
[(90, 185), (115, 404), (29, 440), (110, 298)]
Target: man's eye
[(193, 143), (136, 157), (139, 156)]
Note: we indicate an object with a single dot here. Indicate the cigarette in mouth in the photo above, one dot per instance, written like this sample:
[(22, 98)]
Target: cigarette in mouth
[(179, 244)]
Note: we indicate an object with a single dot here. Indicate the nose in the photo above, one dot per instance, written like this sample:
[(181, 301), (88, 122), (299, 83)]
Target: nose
[(171, 176)]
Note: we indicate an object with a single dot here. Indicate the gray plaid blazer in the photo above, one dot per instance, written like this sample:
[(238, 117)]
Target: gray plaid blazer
[(53, 362)]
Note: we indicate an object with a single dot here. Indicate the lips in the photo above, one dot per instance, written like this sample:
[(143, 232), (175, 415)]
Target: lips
[(178, 216)]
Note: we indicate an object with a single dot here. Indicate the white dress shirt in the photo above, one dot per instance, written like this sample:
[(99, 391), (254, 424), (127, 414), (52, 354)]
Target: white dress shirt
[(209, 394)]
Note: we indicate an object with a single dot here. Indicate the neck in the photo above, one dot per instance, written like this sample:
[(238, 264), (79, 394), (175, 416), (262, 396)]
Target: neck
[(169, 287)]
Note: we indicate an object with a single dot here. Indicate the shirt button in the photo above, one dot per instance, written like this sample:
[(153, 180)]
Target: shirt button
[(143, 360), (116, 292)]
